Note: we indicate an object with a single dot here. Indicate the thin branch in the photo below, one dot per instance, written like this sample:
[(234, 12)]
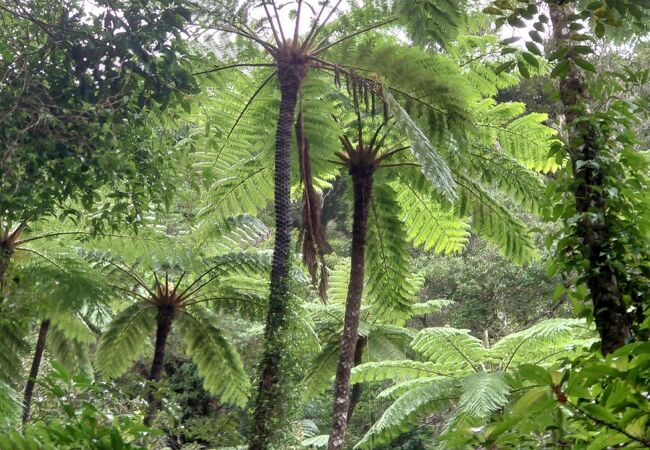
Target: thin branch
[(215, 267), (320, 27), (277, 18), (43, 236), (219, 298), (201, 286), (296, 29), (404, 164), (128, 291), (356, 33), (178, 283), (462, 354), (314, 26), (217, 69), (132, 276), (275, 33), (250, 101), (232, 29), (391, 153), (645, 442), (42, 256), (415, 99), (379, 128)]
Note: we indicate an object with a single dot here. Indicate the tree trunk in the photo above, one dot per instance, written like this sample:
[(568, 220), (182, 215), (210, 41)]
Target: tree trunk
[(270, 406), (362, 186), (355, 393), (590, 198), (163, 328), (33, 372)]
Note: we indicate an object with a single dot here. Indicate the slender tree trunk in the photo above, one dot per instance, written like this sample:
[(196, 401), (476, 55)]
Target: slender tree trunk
[(589, 179), (355, 393), (270, 405), (33, 372), (163, 328), (362, 185)]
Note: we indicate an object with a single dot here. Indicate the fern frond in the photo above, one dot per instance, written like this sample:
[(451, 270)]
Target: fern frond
[(72, 327), (501, 171), (429, 223), (251, 263), (523, 137), (321, 371), (397, 370), (407, 409), (387, 255), (12, 345), (429, 21), (400, 388), (70, 353), (239, 233), (10, 405), (430, 306), (338, 281), (492, 221), (388, 342), (451, 347), (217, 360), (127, 337), (433, 166), (546, 339), (482, 394), (247, 304)]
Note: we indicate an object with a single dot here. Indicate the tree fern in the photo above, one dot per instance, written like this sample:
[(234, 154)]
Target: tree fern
[(475, 375)]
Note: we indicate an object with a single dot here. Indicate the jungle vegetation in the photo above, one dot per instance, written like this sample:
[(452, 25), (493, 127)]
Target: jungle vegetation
[(360, 224)]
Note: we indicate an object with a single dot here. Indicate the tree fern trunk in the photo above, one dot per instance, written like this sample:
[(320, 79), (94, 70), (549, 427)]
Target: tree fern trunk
[(163, 328), (362, 186), (270, 405), (588, 181), (355, 393), (33, 372)]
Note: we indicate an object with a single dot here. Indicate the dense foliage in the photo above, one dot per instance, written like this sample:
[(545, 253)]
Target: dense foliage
[(396, 224)]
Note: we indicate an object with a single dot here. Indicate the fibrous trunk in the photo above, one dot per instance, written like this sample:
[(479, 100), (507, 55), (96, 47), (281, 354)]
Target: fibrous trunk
[(355, 393), (8, 242), (270, 405), (33, 372), (362, 185), (163, 328), (592, 231)]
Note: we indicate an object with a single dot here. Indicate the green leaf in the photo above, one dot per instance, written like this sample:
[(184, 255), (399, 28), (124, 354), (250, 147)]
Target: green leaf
[(530, 59), (533, 48), (561, 69), (526, 401), (535, 374), (523, 70), (535, 36), (586, 65)]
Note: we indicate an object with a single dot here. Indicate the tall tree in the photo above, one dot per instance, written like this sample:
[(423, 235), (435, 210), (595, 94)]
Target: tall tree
[(292, 56), (183, 282), (603, 224), (75, 88)]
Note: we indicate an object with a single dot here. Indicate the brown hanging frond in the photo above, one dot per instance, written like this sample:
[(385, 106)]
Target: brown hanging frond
[(312, 236)]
